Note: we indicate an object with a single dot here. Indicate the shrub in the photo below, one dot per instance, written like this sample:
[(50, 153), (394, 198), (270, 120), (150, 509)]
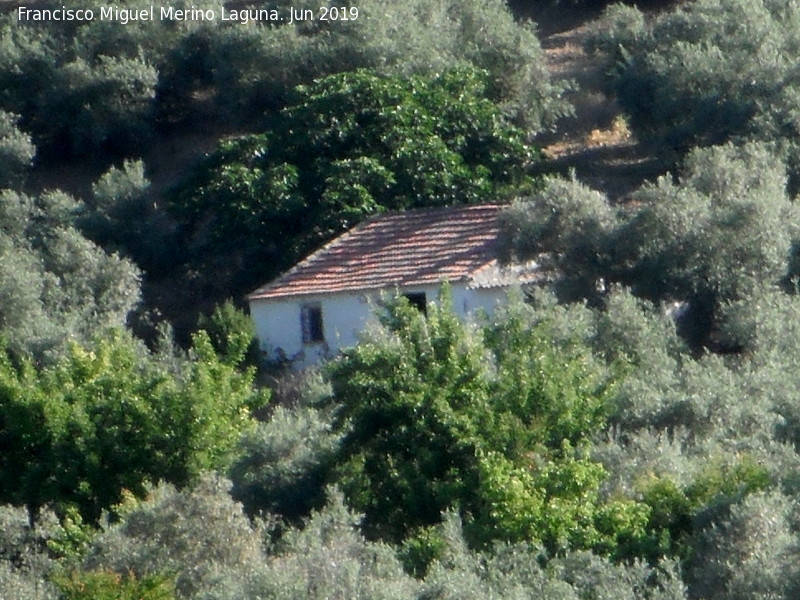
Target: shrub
[(56, 285), (522, 571), (330, 559), (283, 465), (565, 223), (24, 586), (16, 151), (693, 75), (25, 564), (232, 334), (750, 554), (193, 535), (675, 240), (100, 585), (257, 67), (29, 60), (102, 107)]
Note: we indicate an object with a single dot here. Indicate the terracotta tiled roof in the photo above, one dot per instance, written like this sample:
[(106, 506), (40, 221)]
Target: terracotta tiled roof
[(412, 248)]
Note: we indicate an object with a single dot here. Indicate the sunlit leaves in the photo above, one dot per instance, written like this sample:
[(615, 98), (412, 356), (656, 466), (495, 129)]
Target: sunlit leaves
[(111, 418)]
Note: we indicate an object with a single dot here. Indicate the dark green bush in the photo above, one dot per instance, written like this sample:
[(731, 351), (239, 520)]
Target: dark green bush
[(752, 553), (105, 107)]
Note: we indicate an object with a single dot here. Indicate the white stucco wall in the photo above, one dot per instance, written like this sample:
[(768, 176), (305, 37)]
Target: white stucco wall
[(279, 327)]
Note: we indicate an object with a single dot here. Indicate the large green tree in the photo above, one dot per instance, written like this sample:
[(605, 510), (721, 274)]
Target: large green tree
[(112, 417), (438, 415), (349, 146)]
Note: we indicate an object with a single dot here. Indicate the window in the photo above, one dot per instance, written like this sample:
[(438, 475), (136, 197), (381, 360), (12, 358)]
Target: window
[(418, 301), (311, 321)]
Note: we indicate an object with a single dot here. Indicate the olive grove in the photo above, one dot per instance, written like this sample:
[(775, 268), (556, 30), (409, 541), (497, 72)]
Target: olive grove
[(629, 428)]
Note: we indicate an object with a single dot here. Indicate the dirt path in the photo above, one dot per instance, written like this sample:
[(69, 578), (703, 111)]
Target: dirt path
[(595, 142)]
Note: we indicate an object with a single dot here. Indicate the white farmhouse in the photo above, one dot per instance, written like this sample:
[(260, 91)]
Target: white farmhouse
[(320, 306)]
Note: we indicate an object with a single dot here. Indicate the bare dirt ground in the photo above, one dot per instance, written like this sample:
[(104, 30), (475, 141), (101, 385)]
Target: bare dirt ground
[(596, 142)]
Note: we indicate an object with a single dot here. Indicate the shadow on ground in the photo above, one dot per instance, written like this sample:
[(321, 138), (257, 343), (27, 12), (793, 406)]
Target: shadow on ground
[(595, 143)]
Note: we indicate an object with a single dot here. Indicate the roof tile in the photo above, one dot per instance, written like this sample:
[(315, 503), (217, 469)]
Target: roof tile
[(412, 248)]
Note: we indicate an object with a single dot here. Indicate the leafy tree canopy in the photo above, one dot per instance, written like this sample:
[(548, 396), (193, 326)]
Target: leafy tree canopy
[(725, 225), (16, 151), (89, 87), (123, 216), (112, 417), (102, 86), (56, 285), (201, 537), (351, 145), (438, 415), (257, 67), (70, 103)]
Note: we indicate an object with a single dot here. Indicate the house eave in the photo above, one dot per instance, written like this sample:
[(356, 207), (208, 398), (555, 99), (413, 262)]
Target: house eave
[(400, 286)]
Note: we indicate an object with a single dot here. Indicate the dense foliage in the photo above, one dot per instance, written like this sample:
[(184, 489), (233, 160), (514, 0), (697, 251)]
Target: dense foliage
[(708, 72), (16, 151), (507, 423), (104, 90), (105, 86), (629, 431), (725, 226), (695, 435), (254, 67), (349, 146), (55, 284), (209, 548), (91, 88), (112, 417), (439, 416)]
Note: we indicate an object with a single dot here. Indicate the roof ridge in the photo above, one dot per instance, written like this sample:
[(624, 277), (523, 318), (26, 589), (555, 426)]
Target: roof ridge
[(384, 260)]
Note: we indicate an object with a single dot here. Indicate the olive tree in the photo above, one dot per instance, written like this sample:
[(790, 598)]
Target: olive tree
[(55, 284), (725, 225), (750, 554), (16, 151), (254, 67), (707, 72)]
